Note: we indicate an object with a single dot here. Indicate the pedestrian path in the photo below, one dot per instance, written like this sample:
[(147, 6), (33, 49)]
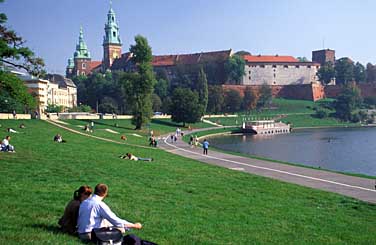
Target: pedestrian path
[(356, 187)]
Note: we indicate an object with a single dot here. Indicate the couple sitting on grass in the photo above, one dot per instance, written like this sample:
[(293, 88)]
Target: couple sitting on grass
[(86, 213), (132, 157)]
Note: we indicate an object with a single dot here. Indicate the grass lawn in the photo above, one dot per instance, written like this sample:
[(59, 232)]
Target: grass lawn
[(178, 200), (120, 127)]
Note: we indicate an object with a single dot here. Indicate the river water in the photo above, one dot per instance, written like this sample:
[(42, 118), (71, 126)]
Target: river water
[(351, 150)]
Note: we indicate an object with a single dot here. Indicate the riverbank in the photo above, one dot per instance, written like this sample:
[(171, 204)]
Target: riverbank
[(231, 131)]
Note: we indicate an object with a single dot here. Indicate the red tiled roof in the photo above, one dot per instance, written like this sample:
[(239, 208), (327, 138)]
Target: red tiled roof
[(94, 64), (190, 59), (269, 58)]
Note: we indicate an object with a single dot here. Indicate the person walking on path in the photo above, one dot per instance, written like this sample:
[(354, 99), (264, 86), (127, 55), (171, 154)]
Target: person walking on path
[(205, 146)]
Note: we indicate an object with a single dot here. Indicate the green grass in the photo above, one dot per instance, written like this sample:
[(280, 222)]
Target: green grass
[(300, 113), (301, 121), (179, 200), (124, 127)]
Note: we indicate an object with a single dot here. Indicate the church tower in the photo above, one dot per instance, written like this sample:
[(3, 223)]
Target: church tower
[(111, 41), (80, 65)]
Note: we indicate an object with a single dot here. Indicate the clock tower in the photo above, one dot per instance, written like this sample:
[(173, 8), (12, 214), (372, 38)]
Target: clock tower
[(111, 41)]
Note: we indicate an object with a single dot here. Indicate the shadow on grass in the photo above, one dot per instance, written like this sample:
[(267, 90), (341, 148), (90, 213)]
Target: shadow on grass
[(50, 228), (105, 124)]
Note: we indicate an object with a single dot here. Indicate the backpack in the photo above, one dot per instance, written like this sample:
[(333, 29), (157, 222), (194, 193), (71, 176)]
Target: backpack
[(108, 235)]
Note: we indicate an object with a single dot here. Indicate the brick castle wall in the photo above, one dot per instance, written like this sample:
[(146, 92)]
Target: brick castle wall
[(306, 91), (302, 92)]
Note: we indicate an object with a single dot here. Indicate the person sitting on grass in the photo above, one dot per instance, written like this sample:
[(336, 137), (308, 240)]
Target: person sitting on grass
[(5, 146), (132, 157), (94, 213), (68, 222), (59, 139), (22, 125)]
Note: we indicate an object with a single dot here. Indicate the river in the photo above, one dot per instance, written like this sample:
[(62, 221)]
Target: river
[(351, 150)]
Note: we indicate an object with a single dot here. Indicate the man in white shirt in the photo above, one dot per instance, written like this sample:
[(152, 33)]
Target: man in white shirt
[(94, 213), (5, 146)]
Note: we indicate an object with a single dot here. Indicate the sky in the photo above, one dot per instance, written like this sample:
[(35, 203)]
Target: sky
[(267, 27)]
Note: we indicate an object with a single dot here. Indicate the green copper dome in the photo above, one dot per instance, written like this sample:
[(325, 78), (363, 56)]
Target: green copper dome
[(111, 29), (70, 63), (81, 48)]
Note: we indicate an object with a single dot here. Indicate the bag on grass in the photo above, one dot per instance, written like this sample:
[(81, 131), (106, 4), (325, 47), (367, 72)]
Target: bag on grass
[(108, 235)]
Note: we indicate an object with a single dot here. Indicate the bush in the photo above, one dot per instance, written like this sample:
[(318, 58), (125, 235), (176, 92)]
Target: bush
[(321, 113), (51, 108)]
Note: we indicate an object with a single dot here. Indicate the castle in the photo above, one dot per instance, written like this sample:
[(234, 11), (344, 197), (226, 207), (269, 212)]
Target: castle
[(276, 71)]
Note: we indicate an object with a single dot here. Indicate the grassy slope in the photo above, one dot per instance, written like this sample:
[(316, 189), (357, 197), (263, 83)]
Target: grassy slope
[(124, 127), (297, 112), (179, 201)]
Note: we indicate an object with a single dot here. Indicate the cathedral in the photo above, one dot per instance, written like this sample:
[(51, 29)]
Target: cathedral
[(114, 59), (81, 63)]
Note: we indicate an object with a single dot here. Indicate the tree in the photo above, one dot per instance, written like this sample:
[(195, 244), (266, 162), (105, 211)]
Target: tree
[(370, 73), (344, 70), (143, 84), (359, 73), (265, 96), (161, 88), (202, 89), (14, 94), (233, 101), (157, 103), (234, 68), (249, 99), (242, 53), (185, 106), (215, 99), (302, 59), (348, 101), (326, 73), (13, 52)]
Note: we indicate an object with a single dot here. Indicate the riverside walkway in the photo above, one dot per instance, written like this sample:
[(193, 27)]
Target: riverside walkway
[(356, 187)]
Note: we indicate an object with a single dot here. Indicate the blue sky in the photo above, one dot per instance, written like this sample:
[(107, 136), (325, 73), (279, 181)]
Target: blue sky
[(284, 27)]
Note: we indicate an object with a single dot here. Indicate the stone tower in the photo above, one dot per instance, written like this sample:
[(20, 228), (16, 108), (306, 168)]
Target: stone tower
[(324, 56), (111, 41), (80, 65)]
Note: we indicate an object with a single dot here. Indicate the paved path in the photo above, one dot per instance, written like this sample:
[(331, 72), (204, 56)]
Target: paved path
[(356, 187)]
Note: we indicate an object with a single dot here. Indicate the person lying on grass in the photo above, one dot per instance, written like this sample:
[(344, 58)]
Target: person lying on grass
[(94, 213), (68, 222), (132, 157)]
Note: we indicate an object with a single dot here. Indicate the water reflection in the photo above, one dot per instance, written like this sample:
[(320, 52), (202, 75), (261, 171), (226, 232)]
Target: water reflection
[(347, 149)]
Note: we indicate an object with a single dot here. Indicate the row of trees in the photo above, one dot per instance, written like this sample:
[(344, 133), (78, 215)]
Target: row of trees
[(345, 70)]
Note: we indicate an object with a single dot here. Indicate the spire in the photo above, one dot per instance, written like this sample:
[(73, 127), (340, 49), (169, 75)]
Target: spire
[(81, 48), (111, 28)]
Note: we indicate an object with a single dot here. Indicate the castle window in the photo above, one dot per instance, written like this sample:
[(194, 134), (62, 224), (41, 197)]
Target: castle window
[(113, 18), (297, 66), (83, 65), (249, 77), (249, 72), (274, 66), (262, 66), (285, 66), (308, 66), (114, 34), (83, 73)]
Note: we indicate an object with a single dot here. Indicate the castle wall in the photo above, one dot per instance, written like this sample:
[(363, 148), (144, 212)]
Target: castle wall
[(302, 92), (280, 74)]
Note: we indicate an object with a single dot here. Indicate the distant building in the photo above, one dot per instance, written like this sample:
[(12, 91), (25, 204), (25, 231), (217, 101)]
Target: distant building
[(278, 70), (324, 56), (113, 59), (56, 90)]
